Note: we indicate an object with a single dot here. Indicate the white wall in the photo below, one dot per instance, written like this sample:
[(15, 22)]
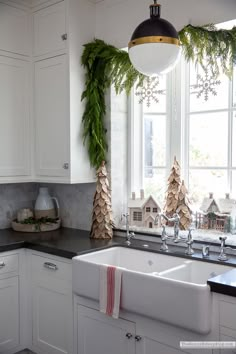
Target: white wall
[(117, 19)]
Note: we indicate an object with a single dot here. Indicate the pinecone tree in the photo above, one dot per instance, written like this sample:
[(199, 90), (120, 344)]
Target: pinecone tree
[(184, 208), (102, 222), (172, 193)]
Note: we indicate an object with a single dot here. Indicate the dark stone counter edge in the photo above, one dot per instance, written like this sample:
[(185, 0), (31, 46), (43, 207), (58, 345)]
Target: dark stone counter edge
[(222, 288), (49, 249)]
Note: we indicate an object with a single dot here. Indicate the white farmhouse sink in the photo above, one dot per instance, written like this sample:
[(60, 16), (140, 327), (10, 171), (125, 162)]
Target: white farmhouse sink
[(170, 289)]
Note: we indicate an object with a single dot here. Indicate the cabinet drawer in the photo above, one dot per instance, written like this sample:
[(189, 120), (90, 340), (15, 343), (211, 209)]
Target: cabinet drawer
[(9, 263), (43, 266), (228, 314)]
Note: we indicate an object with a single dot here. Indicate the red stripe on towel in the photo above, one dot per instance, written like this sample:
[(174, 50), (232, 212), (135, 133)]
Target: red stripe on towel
[(110, 290)]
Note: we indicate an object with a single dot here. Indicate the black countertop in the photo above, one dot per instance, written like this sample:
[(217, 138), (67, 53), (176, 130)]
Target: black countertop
[(224, 283), (69, 243), (64, 242)]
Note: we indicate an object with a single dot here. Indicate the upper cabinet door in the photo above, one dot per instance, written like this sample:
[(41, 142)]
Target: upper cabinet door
[(14, 117), (52, 123), (14, 30), (50, 30)]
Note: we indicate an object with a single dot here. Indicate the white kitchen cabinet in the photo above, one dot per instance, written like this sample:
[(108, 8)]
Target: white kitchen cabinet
[(14, 30), (52, 306), (41, 130), (9, 313), (51, 117), (61, 156), (50, 30), (100, 334), (14, 118)]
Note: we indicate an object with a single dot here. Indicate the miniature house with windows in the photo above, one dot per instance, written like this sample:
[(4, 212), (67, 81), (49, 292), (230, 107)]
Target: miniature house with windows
[(215, 213), (143, 211)]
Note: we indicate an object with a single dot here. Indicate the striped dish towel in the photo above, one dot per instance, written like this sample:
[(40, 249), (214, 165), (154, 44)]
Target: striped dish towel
[(110, 290)]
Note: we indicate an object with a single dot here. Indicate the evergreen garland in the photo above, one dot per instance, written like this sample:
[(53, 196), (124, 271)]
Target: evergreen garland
[(210, 47), (106, 65)]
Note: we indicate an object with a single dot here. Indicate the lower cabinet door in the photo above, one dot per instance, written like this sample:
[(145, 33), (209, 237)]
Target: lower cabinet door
[(100, 334), (9, 314), (52, 316)]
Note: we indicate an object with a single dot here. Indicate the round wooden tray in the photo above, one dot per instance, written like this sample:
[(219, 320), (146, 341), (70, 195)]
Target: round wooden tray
[(33, 228)]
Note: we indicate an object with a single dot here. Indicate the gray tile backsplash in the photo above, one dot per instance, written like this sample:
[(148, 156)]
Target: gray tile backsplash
[(13, 197), (75, 202)]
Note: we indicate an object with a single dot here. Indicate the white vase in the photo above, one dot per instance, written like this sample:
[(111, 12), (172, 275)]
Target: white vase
[(44, 206)]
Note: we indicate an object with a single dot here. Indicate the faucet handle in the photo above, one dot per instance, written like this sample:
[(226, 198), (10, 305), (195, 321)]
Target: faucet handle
[(223, 238)]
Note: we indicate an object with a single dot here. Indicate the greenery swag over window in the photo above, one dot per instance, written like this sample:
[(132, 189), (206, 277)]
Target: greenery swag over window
[(106, 65)]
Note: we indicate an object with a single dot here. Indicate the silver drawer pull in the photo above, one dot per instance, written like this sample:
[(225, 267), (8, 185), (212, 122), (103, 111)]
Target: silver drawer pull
[(49, 265), (2, 264)]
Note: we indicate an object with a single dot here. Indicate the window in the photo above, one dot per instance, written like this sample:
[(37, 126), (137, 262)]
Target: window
[(148, 209), (154, 210), (210, 124), (192, 117), (137, 216)]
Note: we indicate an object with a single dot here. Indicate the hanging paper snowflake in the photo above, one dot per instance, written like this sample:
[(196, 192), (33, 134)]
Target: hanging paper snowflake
[(148, 92), (206, 84)]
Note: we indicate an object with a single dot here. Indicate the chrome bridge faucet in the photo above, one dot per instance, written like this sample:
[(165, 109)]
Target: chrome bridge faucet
[(129, 235), (188, 241), (175, 219), (176, 237)]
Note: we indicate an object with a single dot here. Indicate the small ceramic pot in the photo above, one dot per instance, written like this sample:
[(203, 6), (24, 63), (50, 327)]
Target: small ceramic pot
[(23, 214)]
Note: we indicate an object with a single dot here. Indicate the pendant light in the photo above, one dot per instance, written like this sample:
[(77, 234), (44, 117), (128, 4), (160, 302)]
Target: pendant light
[(154, 47)]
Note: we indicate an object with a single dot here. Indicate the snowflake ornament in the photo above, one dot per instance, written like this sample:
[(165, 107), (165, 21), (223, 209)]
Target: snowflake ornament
[(206, 84), (149, 92)]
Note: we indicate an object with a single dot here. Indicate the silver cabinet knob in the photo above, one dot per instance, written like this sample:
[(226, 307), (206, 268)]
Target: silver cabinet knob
[(138, 338), (2, 264), (66, 166), (129, 335), (64, 37)]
